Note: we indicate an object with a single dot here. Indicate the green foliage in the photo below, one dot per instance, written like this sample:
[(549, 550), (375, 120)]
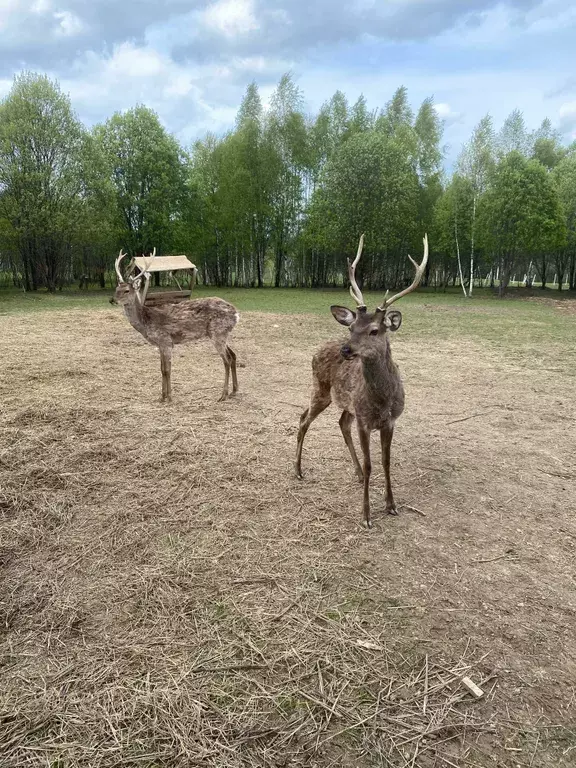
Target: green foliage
[(145, 167), (565, 180), (453, 218), (368, 186), (521, 213), (564, 177), (288, 136), (428, 130), (41, 201), (283, 197), (477, 158), (513, 136)]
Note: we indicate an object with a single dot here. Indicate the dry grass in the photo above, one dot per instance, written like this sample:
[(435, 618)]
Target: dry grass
[(171, 596)]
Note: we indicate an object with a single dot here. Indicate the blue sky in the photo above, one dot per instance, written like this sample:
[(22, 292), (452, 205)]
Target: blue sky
[(191, 60)]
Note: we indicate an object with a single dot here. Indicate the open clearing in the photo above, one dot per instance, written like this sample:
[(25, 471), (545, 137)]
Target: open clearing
[(172, 596)]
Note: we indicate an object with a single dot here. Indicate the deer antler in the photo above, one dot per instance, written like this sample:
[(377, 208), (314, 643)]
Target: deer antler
[(355, 292), (141, 294), (117, 266), (150, 259), (420, 268)]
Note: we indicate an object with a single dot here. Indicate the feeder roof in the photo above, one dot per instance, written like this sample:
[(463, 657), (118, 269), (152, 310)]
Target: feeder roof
[(162, 263)]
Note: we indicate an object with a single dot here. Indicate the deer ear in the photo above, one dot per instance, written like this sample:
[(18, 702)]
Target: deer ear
[(343, 315), (393, 320)]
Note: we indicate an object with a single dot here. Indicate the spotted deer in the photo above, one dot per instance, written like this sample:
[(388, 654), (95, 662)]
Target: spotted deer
[(169, 324), (360, 376)]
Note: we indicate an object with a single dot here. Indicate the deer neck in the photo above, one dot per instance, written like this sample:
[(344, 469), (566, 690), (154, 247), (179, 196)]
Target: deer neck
[(134, 311), (378, 368)]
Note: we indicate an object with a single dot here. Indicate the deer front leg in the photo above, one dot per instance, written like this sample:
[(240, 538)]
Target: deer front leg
[(166, 367), (345, 422), (386, 442), (317, 405), (364, 435), (232, 358)]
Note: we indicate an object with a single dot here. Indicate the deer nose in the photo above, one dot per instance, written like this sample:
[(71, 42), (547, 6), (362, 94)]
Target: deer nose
[(345, 351)]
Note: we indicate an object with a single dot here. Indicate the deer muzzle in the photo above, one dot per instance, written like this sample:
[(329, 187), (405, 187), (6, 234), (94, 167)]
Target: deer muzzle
[(347, 352)]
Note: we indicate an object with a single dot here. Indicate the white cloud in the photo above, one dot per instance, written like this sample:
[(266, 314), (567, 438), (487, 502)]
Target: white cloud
[(443, 110), (505, 23), (132, 62), (568, 109), (251, 63), (69, 24), (550, 15), (35, 23), (40, 6), (5, 86), (7, 9), (230, 18), (567, 115), (131, 74), (446, 113), (475, 93), (186, 96), (191, 60), (261, 65)]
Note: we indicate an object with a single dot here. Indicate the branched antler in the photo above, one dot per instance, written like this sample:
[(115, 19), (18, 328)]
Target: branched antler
[(420, 269), (150, 260), (121, 255), (355, 292)]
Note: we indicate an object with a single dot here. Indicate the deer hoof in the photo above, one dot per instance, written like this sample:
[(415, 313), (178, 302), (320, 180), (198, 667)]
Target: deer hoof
[(367, 524), (223, 396), (392, 511)]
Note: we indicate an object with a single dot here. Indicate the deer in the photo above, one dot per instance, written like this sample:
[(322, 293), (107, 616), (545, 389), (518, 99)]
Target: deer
[(178, 323), (360, 376)]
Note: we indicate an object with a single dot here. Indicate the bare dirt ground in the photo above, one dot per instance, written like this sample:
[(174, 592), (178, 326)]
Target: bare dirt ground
[(171, 595)]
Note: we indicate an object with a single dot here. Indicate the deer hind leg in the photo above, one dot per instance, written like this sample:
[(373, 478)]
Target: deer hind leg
[(386, 441), (364, 435), (232, 358), (346, 427), (222, 350), (166, 368), (319, 402)]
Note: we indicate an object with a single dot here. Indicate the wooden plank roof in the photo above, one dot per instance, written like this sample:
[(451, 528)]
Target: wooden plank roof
[(162, 263)]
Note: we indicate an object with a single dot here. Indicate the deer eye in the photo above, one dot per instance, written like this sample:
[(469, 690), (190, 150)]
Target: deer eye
[(374, 332)]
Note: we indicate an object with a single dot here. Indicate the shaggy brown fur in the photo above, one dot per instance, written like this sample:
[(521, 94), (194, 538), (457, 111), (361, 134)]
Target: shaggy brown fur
[(171, 324), (364, 382), (362, 379)]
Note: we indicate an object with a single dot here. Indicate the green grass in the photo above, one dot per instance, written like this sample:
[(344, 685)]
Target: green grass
[(513, 322), (282, 300), (16, 302)]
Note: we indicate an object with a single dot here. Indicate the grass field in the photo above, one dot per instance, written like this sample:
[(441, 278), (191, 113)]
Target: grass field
[(170, 595)]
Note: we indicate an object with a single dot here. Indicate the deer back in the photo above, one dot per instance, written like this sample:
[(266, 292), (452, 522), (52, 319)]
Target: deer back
[(191, 320)]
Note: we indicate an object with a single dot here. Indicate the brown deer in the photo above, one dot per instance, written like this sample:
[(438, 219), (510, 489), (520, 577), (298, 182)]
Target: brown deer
[(170, 324), (362, 379)]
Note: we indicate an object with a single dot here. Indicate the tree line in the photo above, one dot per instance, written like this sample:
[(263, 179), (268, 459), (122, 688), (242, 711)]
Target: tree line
[(283, 197)]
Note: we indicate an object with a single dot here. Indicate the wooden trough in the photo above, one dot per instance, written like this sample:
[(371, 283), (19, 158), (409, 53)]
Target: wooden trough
[(146, 265)]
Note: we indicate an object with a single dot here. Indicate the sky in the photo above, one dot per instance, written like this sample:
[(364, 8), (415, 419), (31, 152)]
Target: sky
[(191, 60)]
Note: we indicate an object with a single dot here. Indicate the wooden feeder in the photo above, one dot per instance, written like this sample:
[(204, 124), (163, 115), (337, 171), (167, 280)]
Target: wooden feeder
[(146, 265)]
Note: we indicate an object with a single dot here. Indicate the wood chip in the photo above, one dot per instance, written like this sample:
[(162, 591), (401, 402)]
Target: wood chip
[(472, 687), (369, 645)]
